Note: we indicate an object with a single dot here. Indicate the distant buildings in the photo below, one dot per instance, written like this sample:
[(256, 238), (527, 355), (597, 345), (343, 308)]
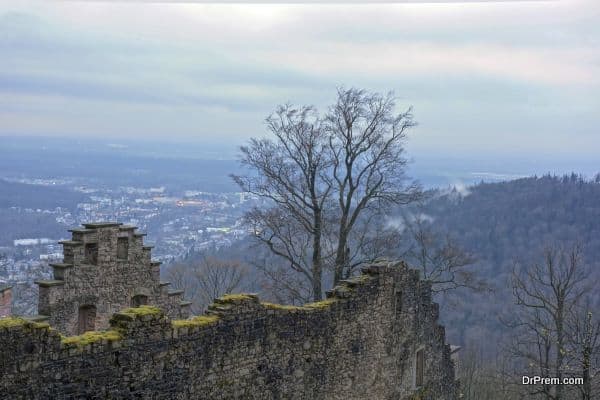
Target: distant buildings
[(32, 242)]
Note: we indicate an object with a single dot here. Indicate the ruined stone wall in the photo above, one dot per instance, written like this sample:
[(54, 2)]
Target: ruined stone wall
[(5, 301), (105, 266), (359, 343)]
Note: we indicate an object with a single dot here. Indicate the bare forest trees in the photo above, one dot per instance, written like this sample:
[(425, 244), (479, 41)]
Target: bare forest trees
[(440, 259), (329, 179), (554, 338), (206, 279), (484, 379), (583, 332)]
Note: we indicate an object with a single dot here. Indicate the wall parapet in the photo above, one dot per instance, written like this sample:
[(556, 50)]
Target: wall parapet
[(358, 343)]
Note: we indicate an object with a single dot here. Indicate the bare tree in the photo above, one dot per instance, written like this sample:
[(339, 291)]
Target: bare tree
[(207, 279), (283, 285), (366, 142), (584, 337), (289, 173), (481, 379), (439, 258), (546, 294), (371, 238), (327, 180)]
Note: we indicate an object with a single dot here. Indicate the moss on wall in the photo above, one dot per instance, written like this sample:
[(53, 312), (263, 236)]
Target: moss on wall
[(91, 337), (201, 320)]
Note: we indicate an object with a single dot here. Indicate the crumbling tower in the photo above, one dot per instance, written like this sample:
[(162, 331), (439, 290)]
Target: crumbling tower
[(106, 267)]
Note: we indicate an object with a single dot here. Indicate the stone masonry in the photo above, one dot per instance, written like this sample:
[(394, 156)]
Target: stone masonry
[(5, 300), (376, 336), (106, 268)]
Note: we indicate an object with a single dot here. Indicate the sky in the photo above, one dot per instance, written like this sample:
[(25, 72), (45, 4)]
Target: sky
[(485, 79)]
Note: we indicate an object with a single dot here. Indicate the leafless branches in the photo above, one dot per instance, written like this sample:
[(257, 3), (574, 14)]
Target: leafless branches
[(366, 144), (207, 279), (289, 173), (327, 178), (440, 259), (583, 333), (551, 338)]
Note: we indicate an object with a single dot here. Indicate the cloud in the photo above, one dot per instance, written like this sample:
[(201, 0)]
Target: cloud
[(400, 223), (396, 223), (462, 189), (429, 60), (487, 76)]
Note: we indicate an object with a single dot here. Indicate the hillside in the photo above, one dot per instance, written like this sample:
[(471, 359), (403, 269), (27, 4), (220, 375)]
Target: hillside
[(13, 194), (16, 221), (516, 219), (512, 222)]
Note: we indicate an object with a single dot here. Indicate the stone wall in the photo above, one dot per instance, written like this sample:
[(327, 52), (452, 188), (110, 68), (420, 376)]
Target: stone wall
[(5, 300), (359, 343), (106, 268)]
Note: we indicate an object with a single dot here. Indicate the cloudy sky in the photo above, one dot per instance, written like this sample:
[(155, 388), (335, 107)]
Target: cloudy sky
[(490, 78)]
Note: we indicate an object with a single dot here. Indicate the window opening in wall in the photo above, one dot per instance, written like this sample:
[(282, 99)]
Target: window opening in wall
[(398, 301), (91, 253), (139, 300), (122, 248), (419, 367), (87, 318)]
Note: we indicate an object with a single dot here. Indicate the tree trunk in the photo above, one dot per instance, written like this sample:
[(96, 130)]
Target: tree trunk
[(317, 268), (560, 349), (340, 257), (587, 385), (587, 358)]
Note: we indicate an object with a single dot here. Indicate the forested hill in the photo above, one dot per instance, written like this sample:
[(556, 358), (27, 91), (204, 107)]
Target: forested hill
[(501, 222), (512, 222)]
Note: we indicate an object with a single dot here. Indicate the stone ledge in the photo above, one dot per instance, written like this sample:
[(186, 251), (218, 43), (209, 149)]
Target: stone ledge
[(81, 230), (61, 265), (37, 318), (49, 283), (163, 283), (107, 224), (71, 242), (175, 292), (237, 298)]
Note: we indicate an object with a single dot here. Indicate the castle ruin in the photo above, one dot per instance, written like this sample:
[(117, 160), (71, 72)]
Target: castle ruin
[(375, 336), (106, 267)]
